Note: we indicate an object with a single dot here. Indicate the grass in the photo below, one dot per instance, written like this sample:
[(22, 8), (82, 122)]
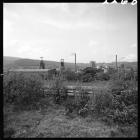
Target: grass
[(52, 122), (94, 84)]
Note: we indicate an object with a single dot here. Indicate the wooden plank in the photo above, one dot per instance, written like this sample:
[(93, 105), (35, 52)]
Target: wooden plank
[(69, 92), (81, 87)]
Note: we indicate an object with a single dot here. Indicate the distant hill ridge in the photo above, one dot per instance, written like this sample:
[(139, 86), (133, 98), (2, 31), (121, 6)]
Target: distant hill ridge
[(16, 62)]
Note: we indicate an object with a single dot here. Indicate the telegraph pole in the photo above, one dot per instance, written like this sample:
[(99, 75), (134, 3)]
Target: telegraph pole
[(116, 63), (41, 58), (75, 62), (117, 67), (42, 65)]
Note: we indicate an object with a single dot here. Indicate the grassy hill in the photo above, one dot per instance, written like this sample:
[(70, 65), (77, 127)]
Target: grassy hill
[(9, 60), (16, 62)]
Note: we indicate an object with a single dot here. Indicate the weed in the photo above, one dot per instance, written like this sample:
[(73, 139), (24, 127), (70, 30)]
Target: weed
[(9, 132), (22, 90)]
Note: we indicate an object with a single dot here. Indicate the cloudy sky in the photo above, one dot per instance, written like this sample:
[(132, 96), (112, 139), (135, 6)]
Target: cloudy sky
[(57, 30)]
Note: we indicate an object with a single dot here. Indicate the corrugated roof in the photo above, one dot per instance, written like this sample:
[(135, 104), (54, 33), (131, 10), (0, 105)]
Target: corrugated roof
[(29, 70)]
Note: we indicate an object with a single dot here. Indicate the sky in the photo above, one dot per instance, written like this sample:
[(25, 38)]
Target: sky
[(94, 31)]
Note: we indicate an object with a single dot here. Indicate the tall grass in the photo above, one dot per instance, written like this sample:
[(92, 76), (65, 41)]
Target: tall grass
[(100, 100), (22, 90), (124, 103), (118, 103), (58, 90)]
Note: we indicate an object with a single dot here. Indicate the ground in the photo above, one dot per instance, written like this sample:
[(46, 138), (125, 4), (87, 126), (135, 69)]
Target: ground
[(51, 121)]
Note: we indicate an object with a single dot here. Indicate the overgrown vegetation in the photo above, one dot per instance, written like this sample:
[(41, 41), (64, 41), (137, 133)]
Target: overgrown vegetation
[(58, 90), (125, 102), (22, 90), (118, 104), (102, 76)]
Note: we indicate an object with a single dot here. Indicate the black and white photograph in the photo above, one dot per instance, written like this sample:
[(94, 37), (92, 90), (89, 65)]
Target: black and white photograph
[(70, 70)]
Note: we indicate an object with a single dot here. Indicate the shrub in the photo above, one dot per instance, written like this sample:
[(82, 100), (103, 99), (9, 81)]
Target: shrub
[(84, 104), (70, 105), (117, 86), (9, 132), (87, 78), (22, 90), (51, 73), (59, 90), (77, 102), (57, 83), (88, 74), (100, 101), (124, 107), (90, 70), (102, 76), (70, 75), (111, 71), (81, 99), (126, 116), (129, 97), (113, 76), (130, 75)]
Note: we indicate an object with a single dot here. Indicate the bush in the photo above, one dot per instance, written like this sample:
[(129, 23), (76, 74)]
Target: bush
[(51, 73), (90, 70), (124, 103), (111, 71), (59, 90), (128, 115), (70, 75), (102, 76), (9, 132), (84, 104), (87, 78), (130, 75), (77, 102), (22, 90), (113, 76), (89, 74), (129, 97), (100, 101), (125, 107), (81, 99)]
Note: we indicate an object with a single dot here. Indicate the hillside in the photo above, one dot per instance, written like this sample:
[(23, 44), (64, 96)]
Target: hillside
[(15, 62), (9, 60)]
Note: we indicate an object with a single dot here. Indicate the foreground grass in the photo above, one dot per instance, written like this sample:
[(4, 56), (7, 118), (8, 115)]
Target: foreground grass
[(45, 119), (52, 122)]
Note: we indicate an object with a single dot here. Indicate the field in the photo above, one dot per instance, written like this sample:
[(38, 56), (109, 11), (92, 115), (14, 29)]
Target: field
[(31, 113), (52, 122)]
